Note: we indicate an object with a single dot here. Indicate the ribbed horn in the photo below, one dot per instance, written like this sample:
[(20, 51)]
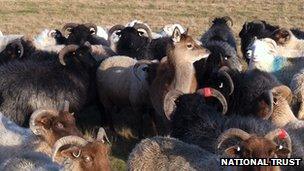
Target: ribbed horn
[(69, 25), (211, 92), (143, 26), (64, 51), (232, 132), (114, 28), (227, 18), (67, 140), (282, 135), (91, 25), (169, 102), (223, 71), (38, 113)]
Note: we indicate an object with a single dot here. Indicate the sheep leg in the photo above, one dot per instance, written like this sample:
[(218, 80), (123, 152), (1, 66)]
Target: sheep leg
[(140, 113), (153, 120)]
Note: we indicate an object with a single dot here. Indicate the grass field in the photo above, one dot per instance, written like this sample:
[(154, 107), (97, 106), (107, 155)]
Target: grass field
[(29, 17)]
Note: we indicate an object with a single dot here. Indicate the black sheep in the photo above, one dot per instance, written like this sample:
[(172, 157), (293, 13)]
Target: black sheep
[(136, 42), (220, 31), (80, 33), (247, 93), (29, 85)]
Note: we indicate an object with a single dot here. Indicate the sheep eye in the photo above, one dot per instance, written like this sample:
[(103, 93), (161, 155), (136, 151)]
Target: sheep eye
[(19, 51), (189, 46), (59, 125), (221, 85), (74, 53), (226, 58), (87, 158), (140, 33)]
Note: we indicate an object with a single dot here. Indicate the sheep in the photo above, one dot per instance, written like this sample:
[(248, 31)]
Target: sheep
[(168, 29), (102, 32), (220, 31), (82, 154), (48, 38), (247, 93), (137, 42), (80, 33), (70, 78), (46, 127), (176, 73), (166, 153), (195, 122), (79, 155), (122, 82), (259, 29)]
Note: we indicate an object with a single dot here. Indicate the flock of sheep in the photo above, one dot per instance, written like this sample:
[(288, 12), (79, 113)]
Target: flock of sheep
[(201, 100)]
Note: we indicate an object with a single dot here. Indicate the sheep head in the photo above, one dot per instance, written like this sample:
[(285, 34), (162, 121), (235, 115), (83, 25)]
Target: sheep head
[(184, 49), (13, 50), (253, 146), (78, 55), (79, 33), (173, 95), (80, 154), (52, 124), (132, 40)]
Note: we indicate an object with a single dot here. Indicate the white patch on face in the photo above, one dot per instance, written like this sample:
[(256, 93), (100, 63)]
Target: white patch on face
[(261, 54)]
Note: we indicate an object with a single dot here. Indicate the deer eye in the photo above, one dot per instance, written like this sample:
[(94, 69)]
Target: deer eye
[(87, 159), (189, 46)]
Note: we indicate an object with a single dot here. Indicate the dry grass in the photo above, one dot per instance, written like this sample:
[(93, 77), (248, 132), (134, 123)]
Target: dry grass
[(29, 17)]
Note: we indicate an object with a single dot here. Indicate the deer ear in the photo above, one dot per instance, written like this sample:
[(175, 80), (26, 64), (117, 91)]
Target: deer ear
[(176, 36), (72, 152)]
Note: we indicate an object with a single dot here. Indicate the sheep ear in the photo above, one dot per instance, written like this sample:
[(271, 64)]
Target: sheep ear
[(169, 102), (282, 152), (176, 36), (281, 36), (233, 151), (265, 105), (72, 152), (283, 91)]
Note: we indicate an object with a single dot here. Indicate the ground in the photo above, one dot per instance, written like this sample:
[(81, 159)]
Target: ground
[(29, 17)]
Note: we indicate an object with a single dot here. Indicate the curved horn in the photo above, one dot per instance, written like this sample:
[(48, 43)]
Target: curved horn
[(19, 44), (282, 135), (223, 71), (102, 135), (69, 25), (207, 92), (114, 28), (38, 113), (232, 132), (64, 51), (227, 18), (269, 100), (284, 91), (67, 140), (143, 26), (91, 25), (169, 102)]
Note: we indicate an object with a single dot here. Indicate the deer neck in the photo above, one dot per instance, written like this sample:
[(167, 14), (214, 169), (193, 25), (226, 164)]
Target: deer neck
[(184, 76)]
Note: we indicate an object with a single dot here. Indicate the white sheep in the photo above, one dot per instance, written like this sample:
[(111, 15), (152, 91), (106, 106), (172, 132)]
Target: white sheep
[(165, 153), (102, 32)]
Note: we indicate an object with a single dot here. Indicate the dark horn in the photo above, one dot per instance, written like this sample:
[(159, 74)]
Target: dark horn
[(223, 71), (232, 132), (115, 28), (64, 51)]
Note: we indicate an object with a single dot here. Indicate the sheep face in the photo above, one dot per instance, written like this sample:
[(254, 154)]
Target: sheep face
[(131, 40), (12, 51), (93, 156), (263, 55), (53, 127), (80, 34)]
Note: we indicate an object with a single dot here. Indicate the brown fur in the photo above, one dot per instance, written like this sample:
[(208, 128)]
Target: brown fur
[(93, 157)]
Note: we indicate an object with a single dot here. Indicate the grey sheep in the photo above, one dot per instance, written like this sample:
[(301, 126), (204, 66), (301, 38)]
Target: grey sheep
[(165, 153)]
